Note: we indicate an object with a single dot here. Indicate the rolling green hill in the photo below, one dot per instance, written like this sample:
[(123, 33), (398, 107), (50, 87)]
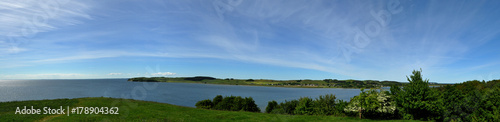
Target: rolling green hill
[(326, 83)]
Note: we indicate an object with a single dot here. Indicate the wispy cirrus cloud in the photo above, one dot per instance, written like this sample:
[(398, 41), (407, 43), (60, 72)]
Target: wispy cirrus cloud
[(23, 20), (28, 17), (320, 35), (317, 35)]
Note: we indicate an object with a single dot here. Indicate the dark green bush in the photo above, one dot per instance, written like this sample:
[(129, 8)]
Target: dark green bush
[(271, 105), (205, 104), (249, 105), (324, 105), (229, 103), (305, 106)]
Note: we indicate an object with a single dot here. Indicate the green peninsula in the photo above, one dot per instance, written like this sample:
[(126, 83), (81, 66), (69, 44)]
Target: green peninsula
[(326, 83)]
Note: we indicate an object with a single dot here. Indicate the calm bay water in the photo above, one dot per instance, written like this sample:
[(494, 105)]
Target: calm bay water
[(183, 94)]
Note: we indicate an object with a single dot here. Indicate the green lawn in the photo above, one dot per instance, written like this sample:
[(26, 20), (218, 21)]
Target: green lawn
[(134, 110)]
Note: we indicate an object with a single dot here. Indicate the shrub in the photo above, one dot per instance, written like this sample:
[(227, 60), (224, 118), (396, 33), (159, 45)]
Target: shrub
[(325, 105), (249, 105), (217, 99), (205, 104), (271, 105), (288, 107), (372, 104), (231, 103), (305, 106)]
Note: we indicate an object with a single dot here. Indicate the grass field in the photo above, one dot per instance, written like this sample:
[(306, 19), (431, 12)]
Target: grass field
[(134, 110)]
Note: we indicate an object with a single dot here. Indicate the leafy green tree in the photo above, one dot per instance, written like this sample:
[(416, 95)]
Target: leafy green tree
[(249, 105), (455, 104), (271, 105), (230, 103), (339, 107), (372, 103), (225, 104), (493, 103), (305, 106), (325, 105), (237, 103), (288, 107), (217, 99), (417, 101)]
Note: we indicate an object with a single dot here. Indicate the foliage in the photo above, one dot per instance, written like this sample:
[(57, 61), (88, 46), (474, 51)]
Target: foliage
[(271, 105), (455, 107), (249, 105), (372, 103), (287, 107), (324, 105), (229, 103), (416, 100), (305, 106), (217, 99), (199, 78), (205, 104)]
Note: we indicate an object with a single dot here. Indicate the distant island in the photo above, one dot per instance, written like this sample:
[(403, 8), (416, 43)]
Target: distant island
[(326, 83)]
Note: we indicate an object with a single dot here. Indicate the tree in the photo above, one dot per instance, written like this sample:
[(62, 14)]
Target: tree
[(288, 107), (305, 106), (455, 104), (249, 105), (217, 99), (271, 105), (371, 102), (226, 103), (416, 100), (237, 103), (230, 103), (325, 105)]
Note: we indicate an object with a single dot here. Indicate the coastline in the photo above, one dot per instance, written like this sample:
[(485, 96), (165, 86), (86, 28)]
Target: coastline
[(326, 83)]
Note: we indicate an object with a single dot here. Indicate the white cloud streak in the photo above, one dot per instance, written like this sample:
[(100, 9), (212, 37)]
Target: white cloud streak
[(115, 74)]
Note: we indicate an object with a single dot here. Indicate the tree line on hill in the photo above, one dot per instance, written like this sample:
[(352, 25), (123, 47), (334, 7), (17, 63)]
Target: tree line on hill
[(326, 83), (467, 101)]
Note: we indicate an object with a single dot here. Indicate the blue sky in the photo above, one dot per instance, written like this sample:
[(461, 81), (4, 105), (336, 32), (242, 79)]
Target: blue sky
[(452, 41)]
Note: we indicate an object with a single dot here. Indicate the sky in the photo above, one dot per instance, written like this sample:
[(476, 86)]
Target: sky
[(452, 41)]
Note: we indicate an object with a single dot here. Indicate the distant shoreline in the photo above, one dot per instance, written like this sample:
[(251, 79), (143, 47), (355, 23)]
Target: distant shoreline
[(326, 83)]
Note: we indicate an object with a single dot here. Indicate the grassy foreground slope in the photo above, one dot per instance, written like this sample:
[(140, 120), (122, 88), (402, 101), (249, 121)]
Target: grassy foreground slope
[(134, 110)]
